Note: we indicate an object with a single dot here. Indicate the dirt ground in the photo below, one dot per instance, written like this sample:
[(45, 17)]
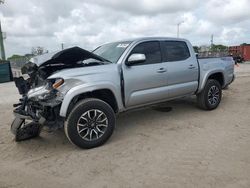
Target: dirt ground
[(186, 147)]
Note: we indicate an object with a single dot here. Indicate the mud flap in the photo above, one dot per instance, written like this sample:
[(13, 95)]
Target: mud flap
[(25, 131)]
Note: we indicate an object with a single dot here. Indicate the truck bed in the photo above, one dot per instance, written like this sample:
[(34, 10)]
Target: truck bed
[(224, 64)]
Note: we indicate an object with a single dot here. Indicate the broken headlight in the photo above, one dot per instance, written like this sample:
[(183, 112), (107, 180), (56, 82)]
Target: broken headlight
[(55, 83), (48, 91)]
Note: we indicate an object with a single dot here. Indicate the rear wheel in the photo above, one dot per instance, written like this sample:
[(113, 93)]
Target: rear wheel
[(210, 97), (90, 123)]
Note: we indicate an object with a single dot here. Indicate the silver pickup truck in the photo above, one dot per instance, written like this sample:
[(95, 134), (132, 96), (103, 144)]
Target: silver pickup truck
[(83, 91)]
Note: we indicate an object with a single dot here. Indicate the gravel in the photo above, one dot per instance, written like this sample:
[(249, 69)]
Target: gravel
[(181, 146)]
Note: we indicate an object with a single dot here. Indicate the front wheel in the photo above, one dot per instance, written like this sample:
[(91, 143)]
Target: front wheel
[(90, 123), (210, 97)]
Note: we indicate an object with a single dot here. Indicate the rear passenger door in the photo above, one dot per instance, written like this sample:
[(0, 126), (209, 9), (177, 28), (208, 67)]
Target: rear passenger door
[(182, 68)]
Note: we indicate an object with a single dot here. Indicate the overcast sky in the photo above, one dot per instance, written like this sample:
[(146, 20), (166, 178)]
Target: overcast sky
[(89, 23)]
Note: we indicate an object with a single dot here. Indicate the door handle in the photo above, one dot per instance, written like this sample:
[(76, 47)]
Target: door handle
[(161, 70), (191, 66)]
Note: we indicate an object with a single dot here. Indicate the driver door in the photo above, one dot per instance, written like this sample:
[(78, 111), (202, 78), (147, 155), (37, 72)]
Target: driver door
[(145, 82)]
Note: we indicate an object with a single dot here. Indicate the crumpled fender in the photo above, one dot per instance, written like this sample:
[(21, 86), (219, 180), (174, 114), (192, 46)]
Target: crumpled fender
[(84, 88)]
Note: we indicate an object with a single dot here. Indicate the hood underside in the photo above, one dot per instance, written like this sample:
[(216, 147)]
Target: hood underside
[(44, 65), (70, 55)]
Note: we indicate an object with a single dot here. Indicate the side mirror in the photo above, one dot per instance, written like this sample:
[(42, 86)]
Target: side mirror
[(136, 58)]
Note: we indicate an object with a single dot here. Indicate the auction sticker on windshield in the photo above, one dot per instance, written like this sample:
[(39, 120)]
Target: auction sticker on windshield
[(123, 45)]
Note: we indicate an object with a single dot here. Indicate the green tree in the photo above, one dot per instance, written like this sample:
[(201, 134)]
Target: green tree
[(14, 56), (218, 48), (196, 49)]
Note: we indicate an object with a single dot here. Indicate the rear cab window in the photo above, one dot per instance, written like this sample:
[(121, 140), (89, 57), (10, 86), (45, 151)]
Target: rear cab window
[(175, 51)]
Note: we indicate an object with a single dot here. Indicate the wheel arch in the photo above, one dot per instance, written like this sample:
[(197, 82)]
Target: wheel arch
[(219, 77), (216, 75), (107, 94)]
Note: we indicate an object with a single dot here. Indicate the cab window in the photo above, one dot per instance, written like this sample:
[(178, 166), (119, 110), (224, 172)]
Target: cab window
[(151, 50), (175, 51)]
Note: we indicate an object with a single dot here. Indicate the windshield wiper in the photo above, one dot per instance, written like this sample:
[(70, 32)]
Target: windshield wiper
[(106, 60), (93, 62), (101, 61)]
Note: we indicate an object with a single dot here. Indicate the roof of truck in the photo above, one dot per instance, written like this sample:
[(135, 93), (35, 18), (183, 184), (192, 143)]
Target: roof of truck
[(153, 38), (141, 39)]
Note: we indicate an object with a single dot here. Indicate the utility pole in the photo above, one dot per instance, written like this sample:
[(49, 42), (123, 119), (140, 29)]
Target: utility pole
[(1, 44), (178, 28), (62, 45), (1, 39), (212, 41)]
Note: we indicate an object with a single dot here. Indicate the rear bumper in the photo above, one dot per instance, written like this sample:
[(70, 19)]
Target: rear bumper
[(227, 84)]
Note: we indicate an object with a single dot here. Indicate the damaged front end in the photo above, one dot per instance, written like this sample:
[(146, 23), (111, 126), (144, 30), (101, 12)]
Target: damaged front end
[(38, 106), (41, 95)]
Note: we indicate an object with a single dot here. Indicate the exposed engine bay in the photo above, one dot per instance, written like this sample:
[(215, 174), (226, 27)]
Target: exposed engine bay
[(41, 99)]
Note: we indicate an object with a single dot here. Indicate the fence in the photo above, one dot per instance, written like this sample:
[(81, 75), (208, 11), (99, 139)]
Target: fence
[(5, 72), (207, 54)]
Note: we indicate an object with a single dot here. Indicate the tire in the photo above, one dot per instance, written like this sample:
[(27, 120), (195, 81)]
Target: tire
[(90, 124), (210, 97)]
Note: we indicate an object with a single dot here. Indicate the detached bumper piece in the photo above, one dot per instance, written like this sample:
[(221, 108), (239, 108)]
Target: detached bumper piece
[(29, 131), (24, 131)]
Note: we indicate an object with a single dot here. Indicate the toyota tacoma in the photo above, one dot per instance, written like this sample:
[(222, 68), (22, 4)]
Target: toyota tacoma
[(83, 91)]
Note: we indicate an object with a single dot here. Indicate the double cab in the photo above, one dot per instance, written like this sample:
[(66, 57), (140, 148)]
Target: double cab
[(82, 91)]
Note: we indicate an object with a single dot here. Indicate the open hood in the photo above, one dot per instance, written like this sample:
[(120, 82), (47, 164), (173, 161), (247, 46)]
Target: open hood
[(67, 56), (49, 63)]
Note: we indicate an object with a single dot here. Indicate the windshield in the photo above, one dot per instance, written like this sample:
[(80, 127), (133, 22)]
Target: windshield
[(112, 51)]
